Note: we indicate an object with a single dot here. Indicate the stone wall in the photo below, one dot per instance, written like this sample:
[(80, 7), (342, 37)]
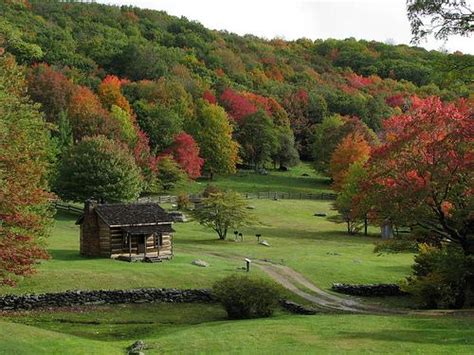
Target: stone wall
[(78, 298), (374, 290)]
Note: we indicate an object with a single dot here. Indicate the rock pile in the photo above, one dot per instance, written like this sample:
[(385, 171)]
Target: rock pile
[(296, 308), (77, 298), (373, 290)]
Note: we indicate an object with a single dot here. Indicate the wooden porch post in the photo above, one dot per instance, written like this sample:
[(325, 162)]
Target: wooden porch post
[(129, 245), (145, 237)]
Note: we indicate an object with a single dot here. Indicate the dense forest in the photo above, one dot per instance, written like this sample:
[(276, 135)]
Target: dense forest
[(178, 99)]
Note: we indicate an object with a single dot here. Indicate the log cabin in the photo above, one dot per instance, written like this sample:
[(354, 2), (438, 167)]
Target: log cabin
[(131, 232)]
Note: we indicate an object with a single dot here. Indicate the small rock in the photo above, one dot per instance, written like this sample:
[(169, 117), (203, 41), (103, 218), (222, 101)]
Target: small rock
[(320, 214), (136, 348), (200, 263), (265, 243), (250, 207)]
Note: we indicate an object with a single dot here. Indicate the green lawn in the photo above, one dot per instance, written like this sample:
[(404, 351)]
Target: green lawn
[(314, 246), (311, 245), (185, 328), (276, 181)]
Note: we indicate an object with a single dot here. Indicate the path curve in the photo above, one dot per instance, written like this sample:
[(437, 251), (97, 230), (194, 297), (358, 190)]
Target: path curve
[(291, 279)]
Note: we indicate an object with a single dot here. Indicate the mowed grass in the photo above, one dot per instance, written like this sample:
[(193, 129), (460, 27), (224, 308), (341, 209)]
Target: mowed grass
[(292, 181), (311, 245), (190, 329)]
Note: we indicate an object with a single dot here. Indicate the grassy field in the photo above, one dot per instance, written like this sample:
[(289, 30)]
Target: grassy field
[(276, 181), (311, 245), (204, 329), (314, 246)]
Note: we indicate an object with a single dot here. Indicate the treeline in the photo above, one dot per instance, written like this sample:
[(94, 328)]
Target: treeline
[(177, 99)]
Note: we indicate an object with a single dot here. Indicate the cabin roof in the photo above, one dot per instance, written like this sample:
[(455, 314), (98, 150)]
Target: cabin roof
[(137, 214), (162, 228)]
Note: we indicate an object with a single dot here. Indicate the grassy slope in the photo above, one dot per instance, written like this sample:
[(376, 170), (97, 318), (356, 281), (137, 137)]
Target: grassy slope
[(277, 181), (203, 328)]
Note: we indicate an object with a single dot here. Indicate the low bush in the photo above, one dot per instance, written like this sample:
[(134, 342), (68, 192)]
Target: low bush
[(442, 277), (396, 245), (183, 202), (246, 297)]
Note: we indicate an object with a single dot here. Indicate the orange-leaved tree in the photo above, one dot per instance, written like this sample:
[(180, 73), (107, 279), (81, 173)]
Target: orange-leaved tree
[(24, 152), (353, 148)]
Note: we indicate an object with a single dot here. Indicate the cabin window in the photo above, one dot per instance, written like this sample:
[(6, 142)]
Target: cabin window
[(158, 240), (125, 240)]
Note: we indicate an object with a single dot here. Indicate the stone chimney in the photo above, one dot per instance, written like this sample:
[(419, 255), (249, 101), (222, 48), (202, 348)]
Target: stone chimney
[(89, 205)]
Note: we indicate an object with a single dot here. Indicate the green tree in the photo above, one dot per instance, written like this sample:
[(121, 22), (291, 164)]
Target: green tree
[(323, 144), (159, 123), (258, 139), (99, 167), (286, 154), (124, 121), (169, 173), (222, 211), (213, 132)]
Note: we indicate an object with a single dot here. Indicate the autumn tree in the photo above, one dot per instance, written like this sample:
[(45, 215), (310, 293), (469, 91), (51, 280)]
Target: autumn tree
[(329, 134), (109, 92), (351, 211), (88, 117), (185, 152), (24, 158), (353, 148), (213, 133), (237, 105), (422, 175), (101, 168), (50, 88)]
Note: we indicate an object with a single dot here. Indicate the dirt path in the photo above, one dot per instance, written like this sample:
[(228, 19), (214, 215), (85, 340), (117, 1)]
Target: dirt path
[(301, 286), (325, 301)]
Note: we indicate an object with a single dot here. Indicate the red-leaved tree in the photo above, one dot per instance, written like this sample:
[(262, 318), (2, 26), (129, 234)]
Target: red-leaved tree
[(423, 175), (185, 152)]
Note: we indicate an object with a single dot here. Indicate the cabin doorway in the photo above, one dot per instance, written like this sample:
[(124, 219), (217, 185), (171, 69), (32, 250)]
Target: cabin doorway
[(141, 240)]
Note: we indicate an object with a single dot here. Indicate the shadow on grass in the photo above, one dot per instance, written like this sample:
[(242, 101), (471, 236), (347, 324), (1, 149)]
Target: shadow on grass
[(69, 255), (439, 336)]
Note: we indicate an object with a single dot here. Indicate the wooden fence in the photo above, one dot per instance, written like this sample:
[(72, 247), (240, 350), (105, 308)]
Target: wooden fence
[(64, 207), (254, 195), (289, 196)]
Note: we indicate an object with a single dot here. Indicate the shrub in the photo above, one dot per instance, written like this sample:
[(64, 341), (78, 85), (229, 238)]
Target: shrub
[(396, 245), (442, 277), (183, 202), (211, 189), (245, 297)]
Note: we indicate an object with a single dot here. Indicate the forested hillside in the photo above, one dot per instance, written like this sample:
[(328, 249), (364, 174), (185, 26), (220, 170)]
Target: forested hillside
[(175, 98)]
